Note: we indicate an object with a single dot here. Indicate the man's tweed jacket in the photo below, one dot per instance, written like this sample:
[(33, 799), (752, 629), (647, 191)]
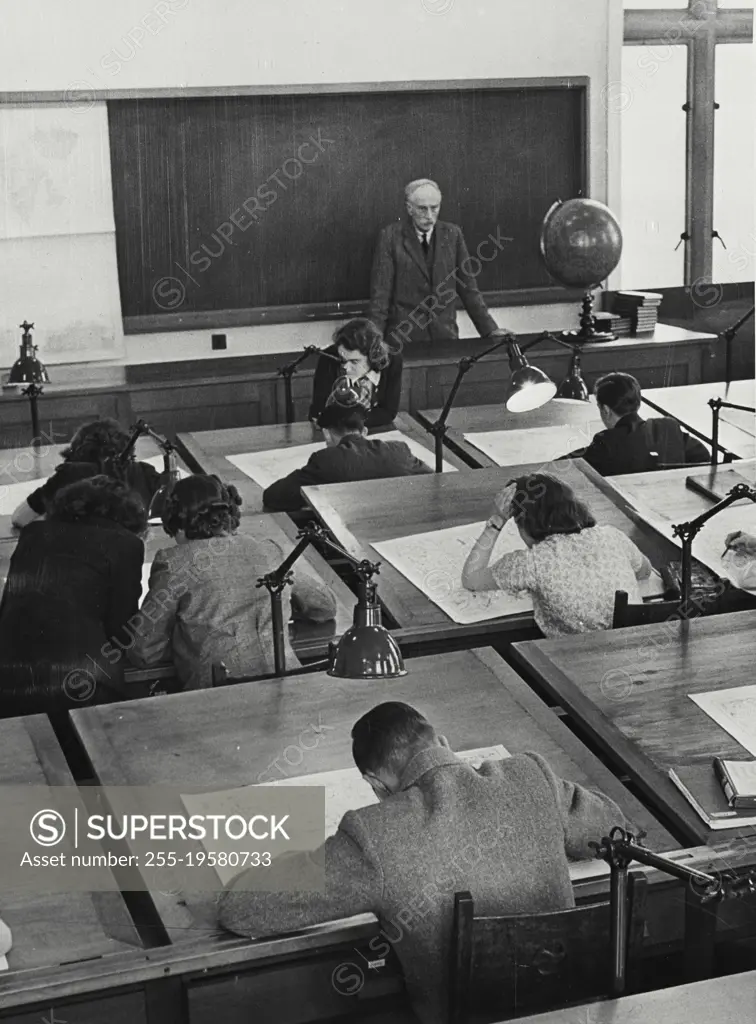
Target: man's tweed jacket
[(504, 831), (411, 300)]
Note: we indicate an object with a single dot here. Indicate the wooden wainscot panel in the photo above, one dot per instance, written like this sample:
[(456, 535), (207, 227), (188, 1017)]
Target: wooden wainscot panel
[(213, 405), (323, 989), (127, 1008)]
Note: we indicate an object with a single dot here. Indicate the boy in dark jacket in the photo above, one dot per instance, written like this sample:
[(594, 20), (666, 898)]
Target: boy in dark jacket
[(349, 455), (631, 444)]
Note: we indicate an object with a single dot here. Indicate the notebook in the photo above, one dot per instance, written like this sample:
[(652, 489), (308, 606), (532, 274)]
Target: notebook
[(700, 786)]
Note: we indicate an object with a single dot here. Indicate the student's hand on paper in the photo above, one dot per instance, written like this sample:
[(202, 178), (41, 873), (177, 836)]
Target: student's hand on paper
[(503, 502), (741, 543)]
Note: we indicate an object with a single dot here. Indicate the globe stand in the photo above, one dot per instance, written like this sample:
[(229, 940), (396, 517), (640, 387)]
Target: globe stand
[(588, 331)]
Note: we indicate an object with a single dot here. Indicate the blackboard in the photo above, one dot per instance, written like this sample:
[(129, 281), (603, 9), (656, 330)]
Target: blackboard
[(254, 208)]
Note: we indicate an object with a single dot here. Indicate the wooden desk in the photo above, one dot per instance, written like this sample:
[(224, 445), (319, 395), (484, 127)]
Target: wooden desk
[(666, 494), (309, 639), (689, 406), (246, 728), (206, 451), (63, 928), (729, 1000), (629, 689), (362, 514), (582, 419), (20, 467)]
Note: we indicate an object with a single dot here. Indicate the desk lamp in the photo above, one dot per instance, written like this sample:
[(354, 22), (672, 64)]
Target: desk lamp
[(288, 371), (367, 650), (619, 849), (687, 532), (529, 388), (716, 404), (29, 374), (168, 477)]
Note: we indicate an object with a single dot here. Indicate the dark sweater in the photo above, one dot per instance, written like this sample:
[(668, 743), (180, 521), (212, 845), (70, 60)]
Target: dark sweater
[(141, 477), (354, 458), (385, 397), (635, 445), (71, 588)]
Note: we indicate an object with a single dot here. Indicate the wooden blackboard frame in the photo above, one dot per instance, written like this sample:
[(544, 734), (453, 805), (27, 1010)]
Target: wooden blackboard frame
[(255, 316)]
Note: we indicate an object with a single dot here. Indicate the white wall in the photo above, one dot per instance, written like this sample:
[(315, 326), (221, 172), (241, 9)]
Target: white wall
[(189, 43)]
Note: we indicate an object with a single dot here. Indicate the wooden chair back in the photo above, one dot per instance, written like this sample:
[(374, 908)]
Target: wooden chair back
[(504, 967), (626, 614)]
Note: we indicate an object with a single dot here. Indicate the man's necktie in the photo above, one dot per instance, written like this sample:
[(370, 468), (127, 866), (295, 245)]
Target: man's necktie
[(424, 243)]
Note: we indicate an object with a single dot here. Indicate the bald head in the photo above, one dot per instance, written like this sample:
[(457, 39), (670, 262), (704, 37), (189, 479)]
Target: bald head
[(423, 199)]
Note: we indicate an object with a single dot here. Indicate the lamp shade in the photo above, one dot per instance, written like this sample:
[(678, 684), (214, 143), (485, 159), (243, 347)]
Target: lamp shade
[(27, 369), (573, 386), (367, 652), (529, 388)]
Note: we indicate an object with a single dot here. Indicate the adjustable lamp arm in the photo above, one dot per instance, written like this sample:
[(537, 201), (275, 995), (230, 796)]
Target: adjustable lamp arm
[(716, 404), (277, 580), (727, 336), (619, 849), (438, 429), (687, 532), (141, 429), (289, 369)]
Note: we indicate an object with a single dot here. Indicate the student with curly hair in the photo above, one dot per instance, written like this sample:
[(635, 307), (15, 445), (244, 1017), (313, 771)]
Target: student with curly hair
[(73, 584), (365, 357), (571, 567), (203, 604), (94, 449)]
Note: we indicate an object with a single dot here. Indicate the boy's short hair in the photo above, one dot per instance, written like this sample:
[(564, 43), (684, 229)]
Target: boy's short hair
[(343, 419), (619, 392), (388, 735)]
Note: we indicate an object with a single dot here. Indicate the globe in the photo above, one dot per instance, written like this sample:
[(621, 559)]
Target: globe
[(581, 242)]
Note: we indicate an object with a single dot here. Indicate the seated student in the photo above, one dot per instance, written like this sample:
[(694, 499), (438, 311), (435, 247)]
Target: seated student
[(504, 831), (349, 455), (93, 450), (572, 567), (203, 606), (365, 357), (74, 582), (631, 444)]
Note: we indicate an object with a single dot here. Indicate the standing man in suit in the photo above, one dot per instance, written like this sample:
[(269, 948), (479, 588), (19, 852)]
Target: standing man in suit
[(420, 268)]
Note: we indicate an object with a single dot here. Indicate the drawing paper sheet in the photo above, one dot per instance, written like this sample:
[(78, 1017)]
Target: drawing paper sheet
[(734, 710), (345, 790), (709, 543), (433, 563), (11, 495), (533, 444), (146, 570), (267, 467)]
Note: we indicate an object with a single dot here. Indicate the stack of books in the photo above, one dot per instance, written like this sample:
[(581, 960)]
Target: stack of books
[(641, 309), (723, 794)]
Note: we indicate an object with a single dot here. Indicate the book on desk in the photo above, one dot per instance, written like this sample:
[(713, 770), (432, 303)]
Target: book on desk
[(701, 786)]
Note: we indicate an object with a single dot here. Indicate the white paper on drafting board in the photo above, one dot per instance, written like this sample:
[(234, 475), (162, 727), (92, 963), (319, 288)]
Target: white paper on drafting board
[(534, 445), (267, 467), (734, 710), (11, 495), (433, 563), (345, 790)]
